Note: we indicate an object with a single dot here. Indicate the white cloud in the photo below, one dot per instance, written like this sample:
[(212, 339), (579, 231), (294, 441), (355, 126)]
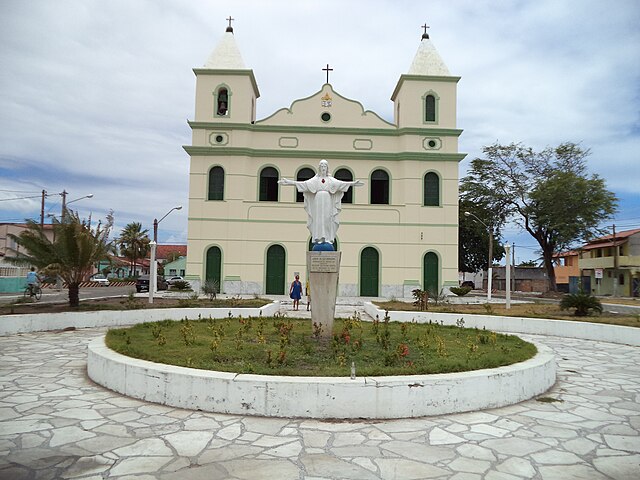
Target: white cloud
[(95, 95)]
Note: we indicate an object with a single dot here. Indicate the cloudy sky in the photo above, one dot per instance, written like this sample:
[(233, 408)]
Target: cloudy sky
[(95, 95)]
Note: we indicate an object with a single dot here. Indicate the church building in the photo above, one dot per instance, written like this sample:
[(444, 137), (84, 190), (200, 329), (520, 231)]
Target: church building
[(398, 232)]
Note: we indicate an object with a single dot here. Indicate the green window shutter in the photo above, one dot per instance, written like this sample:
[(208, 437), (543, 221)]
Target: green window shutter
[(216, 184), (430, 108), (431, 190)]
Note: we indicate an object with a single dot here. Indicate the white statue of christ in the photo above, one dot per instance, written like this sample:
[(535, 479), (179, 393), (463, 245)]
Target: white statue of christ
[(322, 202)]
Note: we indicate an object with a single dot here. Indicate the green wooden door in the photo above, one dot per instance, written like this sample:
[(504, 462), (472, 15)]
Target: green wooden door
[(214, 266), (275, 270), (369, 272), (431, 270)]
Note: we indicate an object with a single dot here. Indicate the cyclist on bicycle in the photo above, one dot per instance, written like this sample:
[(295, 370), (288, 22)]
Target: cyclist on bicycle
[(33, 280)]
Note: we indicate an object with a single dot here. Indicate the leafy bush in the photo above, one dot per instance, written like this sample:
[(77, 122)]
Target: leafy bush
[(583, 303), (460, 291), (180, 285), (211, 288)]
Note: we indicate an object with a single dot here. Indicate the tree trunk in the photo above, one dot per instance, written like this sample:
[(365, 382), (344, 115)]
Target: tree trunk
[(74, 294), (551, 273)]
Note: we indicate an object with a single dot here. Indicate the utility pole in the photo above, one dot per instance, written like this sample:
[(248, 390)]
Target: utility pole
[(44, 194), (64, 204), (615, 263), (490, 265)]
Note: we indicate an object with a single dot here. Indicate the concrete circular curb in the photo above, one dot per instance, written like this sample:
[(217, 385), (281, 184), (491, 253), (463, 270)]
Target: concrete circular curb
[(321, 397)]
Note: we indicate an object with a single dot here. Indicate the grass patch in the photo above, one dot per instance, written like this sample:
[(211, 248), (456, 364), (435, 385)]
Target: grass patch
[(531, 310), (280, 346)]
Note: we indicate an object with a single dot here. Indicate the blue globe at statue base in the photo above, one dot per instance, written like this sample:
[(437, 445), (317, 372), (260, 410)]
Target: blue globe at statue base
[(323, 247)]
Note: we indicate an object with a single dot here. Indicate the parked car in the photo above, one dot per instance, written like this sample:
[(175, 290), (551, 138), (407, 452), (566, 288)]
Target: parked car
[(142, 283), (176, 278), (100, 279), (468, 283)]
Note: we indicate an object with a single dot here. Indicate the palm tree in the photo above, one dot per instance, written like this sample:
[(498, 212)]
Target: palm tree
[(134, 243), (75, 249)]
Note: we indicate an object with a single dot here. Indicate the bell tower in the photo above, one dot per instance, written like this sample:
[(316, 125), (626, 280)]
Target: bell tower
[(426, 96), (226, 91)]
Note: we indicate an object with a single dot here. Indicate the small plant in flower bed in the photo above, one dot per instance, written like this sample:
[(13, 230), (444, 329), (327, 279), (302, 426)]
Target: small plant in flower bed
[(281, 346)]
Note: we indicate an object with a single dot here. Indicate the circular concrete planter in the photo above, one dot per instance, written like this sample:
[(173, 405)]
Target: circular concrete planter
[(321, 397)]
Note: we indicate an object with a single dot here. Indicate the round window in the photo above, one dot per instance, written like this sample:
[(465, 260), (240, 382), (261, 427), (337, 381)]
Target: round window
[(219, 138), (326, 116), (432, 143)]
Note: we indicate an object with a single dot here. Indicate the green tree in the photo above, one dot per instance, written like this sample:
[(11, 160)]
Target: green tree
[(547, 193), (134, 244), (473, 238), (75, 249)]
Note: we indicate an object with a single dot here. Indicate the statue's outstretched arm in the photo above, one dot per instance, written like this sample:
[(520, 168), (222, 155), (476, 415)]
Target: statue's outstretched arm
[(286, 181)]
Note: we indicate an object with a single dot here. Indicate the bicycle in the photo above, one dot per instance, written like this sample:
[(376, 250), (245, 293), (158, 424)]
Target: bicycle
[(33, 291)]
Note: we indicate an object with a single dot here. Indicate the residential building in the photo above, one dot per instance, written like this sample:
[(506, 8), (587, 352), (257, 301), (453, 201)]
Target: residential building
[(397, 233), (613, 264)]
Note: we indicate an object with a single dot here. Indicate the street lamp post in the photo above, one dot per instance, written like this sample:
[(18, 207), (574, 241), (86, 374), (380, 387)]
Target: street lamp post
[(65, 203), (490, 264), (507, 270), (153, 279)]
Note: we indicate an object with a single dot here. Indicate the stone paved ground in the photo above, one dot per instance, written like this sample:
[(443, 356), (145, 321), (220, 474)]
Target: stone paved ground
[(56, 423)]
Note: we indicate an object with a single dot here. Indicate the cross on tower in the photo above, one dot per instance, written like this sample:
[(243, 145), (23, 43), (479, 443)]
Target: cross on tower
[(230, 20), (425, 26), (327, 69)]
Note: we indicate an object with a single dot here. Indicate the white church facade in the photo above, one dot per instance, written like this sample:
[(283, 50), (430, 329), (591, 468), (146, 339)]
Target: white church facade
[(398, 232)]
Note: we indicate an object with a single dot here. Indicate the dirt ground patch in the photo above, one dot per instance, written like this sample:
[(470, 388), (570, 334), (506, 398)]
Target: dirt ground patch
[(119, 303)]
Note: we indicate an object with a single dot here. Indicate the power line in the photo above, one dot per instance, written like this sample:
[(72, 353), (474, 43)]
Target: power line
[(19, 198)]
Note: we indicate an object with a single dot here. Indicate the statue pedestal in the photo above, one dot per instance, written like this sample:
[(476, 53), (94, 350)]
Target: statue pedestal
[(324, 271)]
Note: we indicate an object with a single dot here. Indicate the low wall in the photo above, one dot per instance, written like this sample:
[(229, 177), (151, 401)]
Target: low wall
[(12, 284), (12, 324), (601, 332), (321, 397)]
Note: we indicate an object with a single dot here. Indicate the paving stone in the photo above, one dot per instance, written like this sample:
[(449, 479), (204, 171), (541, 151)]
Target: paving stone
[(418, 452), (618, 468), (330, 466), (138, 464), (462, 464), (437, 436), (570, 472), (254, 469), (623, 442), (395, 468), (69, 435), (189, 444), (88, 465), (516, 447), (147, 446)]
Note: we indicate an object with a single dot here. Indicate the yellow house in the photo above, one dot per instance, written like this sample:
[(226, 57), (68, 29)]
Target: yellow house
[(613, 263), (397, 233)]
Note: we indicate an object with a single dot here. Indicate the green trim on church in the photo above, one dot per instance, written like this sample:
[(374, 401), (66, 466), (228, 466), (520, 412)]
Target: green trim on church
[(394, 132), (197, 151)]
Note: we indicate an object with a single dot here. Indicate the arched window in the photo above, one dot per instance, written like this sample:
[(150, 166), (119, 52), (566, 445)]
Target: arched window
[(346, 176), (431, 190), (303, 174), (269, 185), (222, 102), (379, 187), (430, 108), (216, 184)]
